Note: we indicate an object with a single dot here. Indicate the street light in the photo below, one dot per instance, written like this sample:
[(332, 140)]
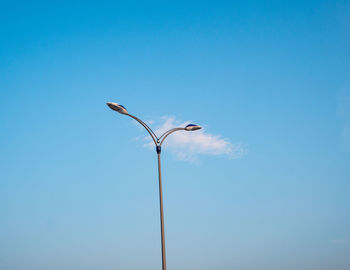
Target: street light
[(158, 143)]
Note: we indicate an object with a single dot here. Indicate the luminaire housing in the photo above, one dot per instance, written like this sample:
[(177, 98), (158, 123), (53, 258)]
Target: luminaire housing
[(192, 127), (117, 107)]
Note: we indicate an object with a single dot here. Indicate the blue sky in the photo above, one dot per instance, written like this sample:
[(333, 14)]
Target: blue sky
[(78, 184)]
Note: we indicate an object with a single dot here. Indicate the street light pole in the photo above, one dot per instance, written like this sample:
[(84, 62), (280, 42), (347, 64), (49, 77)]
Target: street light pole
[(158, 143), (159, 150)]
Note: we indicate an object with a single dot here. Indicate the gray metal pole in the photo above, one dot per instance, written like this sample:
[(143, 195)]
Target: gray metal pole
[(161, 209)]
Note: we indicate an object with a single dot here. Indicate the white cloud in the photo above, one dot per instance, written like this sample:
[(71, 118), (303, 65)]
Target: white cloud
[(343, 111), (188, 145), (346, 136), (343, 106), (341, 240)]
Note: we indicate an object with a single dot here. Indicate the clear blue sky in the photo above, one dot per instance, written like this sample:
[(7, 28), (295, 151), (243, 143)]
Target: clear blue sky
[(79, 191)]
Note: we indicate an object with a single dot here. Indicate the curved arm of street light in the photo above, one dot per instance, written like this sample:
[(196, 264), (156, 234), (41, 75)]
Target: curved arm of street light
[(149, 130), (166, 134)]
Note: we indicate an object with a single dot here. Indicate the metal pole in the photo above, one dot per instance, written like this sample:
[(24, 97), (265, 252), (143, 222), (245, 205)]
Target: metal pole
[(158, 148)]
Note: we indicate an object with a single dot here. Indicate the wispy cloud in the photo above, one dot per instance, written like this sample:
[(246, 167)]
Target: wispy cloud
[(343, 111), (345, 240), (346, 136), (189, 145)]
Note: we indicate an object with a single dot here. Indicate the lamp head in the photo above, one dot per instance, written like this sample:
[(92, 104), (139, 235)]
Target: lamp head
[(117, 107), (192, 127)]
